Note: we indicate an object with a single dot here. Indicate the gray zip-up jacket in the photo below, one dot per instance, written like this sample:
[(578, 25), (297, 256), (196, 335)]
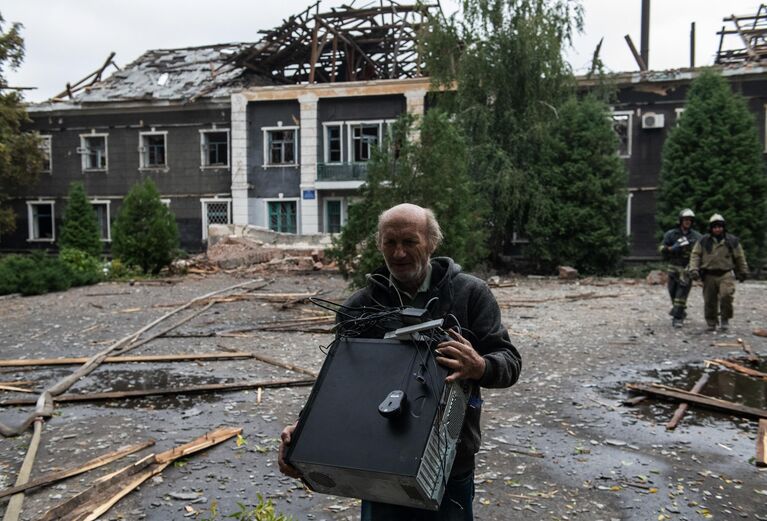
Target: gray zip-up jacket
[(473, 306)]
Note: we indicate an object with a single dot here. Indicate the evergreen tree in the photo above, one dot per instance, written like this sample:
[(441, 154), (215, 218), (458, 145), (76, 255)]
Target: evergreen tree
[(506, 57), (21, 159), (712, 163), (584, 223), (431, 171), (80, 229), (145, 232)]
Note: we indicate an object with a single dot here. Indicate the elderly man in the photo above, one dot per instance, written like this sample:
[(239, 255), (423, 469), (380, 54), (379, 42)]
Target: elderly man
[(713, 259), (479, 349)]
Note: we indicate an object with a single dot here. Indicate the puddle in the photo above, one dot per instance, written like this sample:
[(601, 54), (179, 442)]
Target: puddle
[(723, 383), (124, 380)]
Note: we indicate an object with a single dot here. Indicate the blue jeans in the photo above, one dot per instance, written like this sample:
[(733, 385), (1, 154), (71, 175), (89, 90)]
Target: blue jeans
[(456, 505)]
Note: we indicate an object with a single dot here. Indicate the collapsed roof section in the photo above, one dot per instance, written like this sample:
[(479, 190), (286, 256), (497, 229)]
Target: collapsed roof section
[(376, 42), (750, 31)]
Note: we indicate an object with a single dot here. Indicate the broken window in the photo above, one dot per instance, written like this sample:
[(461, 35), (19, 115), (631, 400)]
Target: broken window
[(41, 221), (45, 148), (622, 128), (153, 150), (215, 148), (215, 211), (282, 216), (333, 143), (280, 145), (101, 209), (365, 136), (93, 150)]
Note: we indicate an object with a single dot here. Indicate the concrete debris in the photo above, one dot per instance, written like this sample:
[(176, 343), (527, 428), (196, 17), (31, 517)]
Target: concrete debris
[(567, 273), (657, 278)]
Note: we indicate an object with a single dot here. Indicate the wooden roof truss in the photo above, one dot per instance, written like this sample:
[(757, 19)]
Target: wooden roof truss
[(377, 41), (751, 32)]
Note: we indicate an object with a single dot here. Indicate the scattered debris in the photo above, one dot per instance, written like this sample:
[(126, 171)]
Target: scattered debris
[(657, 278), (698, 399), (190, 357), (737, 367), (671, 425), (567, 273), (761, 444)]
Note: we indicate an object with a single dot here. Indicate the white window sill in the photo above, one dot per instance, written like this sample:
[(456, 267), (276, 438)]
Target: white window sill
[(164, 169), (96, 170), (214, 167), (281, 165), (41, 240)]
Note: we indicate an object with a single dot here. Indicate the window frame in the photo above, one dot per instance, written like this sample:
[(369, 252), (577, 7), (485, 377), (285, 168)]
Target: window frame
[(46, 146), (326, 141), (295, 200), (204, 165), (266, 163), (31, 220), (629, 145), (107, 203), (204, 208), (84, 154), (325, 220), (144, 153)]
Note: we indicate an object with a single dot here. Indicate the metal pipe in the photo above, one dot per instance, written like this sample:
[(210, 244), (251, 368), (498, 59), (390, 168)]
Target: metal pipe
[(692, 45), (644, 45)]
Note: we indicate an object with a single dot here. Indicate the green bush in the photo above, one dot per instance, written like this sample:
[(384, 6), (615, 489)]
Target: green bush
[(33, 274), (145, 233), (80, 229), (85, 269)]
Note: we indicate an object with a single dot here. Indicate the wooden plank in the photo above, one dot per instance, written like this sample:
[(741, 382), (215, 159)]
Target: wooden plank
[(761, 444), (698, 399), (11, 388), (671, 425), (13, 510), (749, 352), (52, 477), (125, 359), (96, 500), (140, 393), (285, 365), (738, 368)]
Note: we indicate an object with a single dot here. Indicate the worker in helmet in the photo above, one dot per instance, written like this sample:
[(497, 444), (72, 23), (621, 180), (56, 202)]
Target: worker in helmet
[(675, 248), (713, 259)]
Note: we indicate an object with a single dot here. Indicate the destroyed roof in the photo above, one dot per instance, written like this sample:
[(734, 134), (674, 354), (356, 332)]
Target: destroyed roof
[(171, 75), (748, 34)]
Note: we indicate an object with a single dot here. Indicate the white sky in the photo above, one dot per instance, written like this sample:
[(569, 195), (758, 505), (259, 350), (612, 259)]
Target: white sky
[(68, 39)]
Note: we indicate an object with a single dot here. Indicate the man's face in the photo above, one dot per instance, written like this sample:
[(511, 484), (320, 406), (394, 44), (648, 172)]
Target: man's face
[(686, 223), (717, 229), (405, 247)]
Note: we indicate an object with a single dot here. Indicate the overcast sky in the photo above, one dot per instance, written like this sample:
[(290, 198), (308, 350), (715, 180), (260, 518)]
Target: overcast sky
[(68, 39)]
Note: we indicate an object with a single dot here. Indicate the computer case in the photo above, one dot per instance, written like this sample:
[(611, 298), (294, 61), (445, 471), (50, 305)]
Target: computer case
[(344, 446)]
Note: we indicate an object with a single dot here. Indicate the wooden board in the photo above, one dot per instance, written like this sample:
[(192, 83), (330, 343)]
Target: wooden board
[(679, 413), (761, 444), (125, 359), (140, 393), (739, 368), (698, 399)]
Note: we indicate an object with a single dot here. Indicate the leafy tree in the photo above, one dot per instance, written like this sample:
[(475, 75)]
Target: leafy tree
[(506, 57), (712, 162), (431, 171), (21, 159), (80, 229), (583, 224), (144, 232)]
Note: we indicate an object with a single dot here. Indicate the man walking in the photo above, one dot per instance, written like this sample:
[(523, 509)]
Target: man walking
[(713, 259), (675, 248)]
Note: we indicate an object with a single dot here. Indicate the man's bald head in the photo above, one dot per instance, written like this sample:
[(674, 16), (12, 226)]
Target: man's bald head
[(423, 218)]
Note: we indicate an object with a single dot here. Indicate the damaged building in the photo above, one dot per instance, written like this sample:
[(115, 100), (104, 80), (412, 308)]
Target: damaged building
[(277, 133)]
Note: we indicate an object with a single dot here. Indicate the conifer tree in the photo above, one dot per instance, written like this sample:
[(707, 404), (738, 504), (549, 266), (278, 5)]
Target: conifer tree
[(584, 223), (21, 159), (80, 229), (145, 232), (430, 171), (712, 163)]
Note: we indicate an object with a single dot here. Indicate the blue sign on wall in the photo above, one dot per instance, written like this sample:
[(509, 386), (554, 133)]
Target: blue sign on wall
[(310, 194)]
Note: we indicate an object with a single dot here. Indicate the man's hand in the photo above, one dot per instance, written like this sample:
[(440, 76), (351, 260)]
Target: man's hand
[(459, 355), (695, 274), (286, 468), (741, 277)]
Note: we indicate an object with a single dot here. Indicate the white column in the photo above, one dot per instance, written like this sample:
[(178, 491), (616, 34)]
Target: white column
[(310, 223), (239, 159), (414, 100)]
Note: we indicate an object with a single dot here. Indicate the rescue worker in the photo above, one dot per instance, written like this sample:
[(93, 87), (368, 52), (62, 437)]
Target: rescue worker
[(675, 248), (713, 259)]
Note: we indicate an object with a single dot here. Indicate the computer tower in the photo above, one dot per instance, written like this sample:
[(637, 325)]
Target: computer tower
[(344, 446)]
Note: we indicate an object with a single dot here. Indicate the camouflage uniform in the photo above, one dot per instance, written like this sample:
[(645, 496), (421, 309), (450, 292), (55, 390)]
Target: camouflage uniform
[(678, 258), (715, 259)]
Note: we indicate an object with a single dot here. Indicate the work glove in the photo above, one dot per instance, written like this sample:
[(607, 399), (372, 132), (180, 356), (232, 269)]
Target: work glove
[(695, 274), (741, 277)]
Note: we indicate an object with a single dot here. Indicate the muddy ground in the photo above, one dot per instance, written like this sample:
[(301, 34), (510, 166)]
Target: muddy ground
[(600, 460)]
